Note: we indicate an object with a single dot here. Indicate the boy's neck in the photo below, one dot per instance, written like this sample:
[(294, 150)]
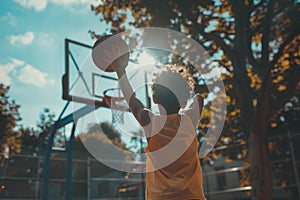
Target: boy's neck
[(163, 111)]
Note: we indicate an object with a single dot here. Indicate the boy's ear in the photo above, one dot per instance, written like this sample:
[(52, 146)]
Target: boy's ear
[(183, 105), (154, 99)]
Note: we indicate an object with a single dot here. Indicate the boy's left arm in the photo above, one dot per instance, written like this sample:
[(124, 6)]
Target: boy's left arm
[(136, 106)]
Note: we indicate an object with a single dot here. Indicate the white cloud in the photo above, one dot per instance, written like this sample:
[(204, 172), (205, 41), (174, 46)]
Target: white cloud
[(27, 74), (44, 39), (25, 39), (7, 69), (15, 62), (8, 18), (33, 76), (38, 5), (76, 6), (72, 2)]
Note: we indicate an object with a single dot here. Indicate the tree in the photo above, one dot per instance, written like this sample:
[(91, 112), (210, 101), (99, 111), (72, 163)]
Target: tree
[(9, 117), (46, 120), (34, 140), (259, 44), (99, 133), (29, 140)]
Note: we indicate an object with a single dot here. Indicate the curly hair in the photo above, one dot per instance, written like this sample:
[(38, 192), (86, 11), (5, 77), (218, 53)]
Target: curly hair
[(172, 86)]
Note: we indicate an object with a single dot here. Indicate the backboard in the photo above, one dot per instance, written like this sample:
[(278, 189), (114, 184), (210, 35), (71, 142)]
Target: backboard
[(83, 82)]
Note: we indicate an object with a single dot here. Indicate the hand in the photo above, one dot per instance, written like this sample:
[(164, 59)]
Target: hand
[(118, 64), (107, 53)]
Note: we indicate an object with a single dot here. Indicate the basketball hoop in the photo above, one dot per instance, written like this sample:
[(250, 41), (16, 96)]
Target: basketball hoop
[(115, 100)]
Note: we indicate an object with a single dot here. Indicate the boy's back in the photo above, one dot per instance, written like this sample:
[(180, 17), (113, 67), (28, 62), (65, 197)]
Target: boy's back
[(173, 167)]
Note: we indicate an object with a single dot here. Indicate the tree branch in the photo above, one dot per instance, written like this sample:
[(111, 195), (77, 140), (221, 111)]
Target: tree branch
[(278, 104), (279, 53), (255, 64), (215, 37), (258, 5), (266, 37), (225, 67)]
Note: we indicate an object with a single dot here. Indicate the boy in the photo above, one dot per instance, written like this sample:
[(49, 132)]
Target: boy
[(173, 172)]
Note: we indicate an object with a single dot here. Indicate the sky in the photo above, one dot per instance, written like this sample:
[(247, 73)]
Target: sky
[(32, 36), (32, 49)]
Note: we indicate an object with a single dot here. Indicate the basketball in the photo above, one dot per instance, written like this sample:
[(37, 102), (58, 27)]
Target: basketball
[(110, 53)]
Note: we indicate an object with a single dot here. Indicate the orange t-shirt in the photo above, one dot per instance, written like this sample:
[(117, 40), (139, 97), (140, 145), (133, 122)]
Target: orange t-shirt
[(173, 166)]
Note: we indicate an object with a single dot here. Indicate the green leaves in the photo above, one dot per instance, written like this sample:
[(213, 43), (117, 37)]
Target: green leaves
[(10, 141)]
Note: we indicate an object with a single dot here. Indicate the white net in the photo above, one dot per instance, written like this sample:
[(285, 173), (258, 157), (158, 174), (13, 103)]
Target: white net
[(117, 103), (117, 117)]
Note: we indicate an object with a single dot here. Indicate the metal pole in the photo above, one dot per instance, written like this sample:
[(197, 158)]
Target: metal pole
[(58, 124), (204, 174), (63, 110), (69, 164), (142, 174), (47, 162), (4, 171), (37, 184), (48, 155), (294, 163), (88, 179)]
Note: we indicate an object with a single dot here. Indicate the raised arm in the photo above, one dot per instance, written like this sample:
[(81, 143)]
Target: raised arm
[(119, 65), (136, 106), (195, 109)]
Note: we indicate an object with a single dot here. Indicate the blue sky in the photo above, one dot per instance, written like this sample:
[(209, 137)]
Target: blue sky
[(32, 49), (32, 55)]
